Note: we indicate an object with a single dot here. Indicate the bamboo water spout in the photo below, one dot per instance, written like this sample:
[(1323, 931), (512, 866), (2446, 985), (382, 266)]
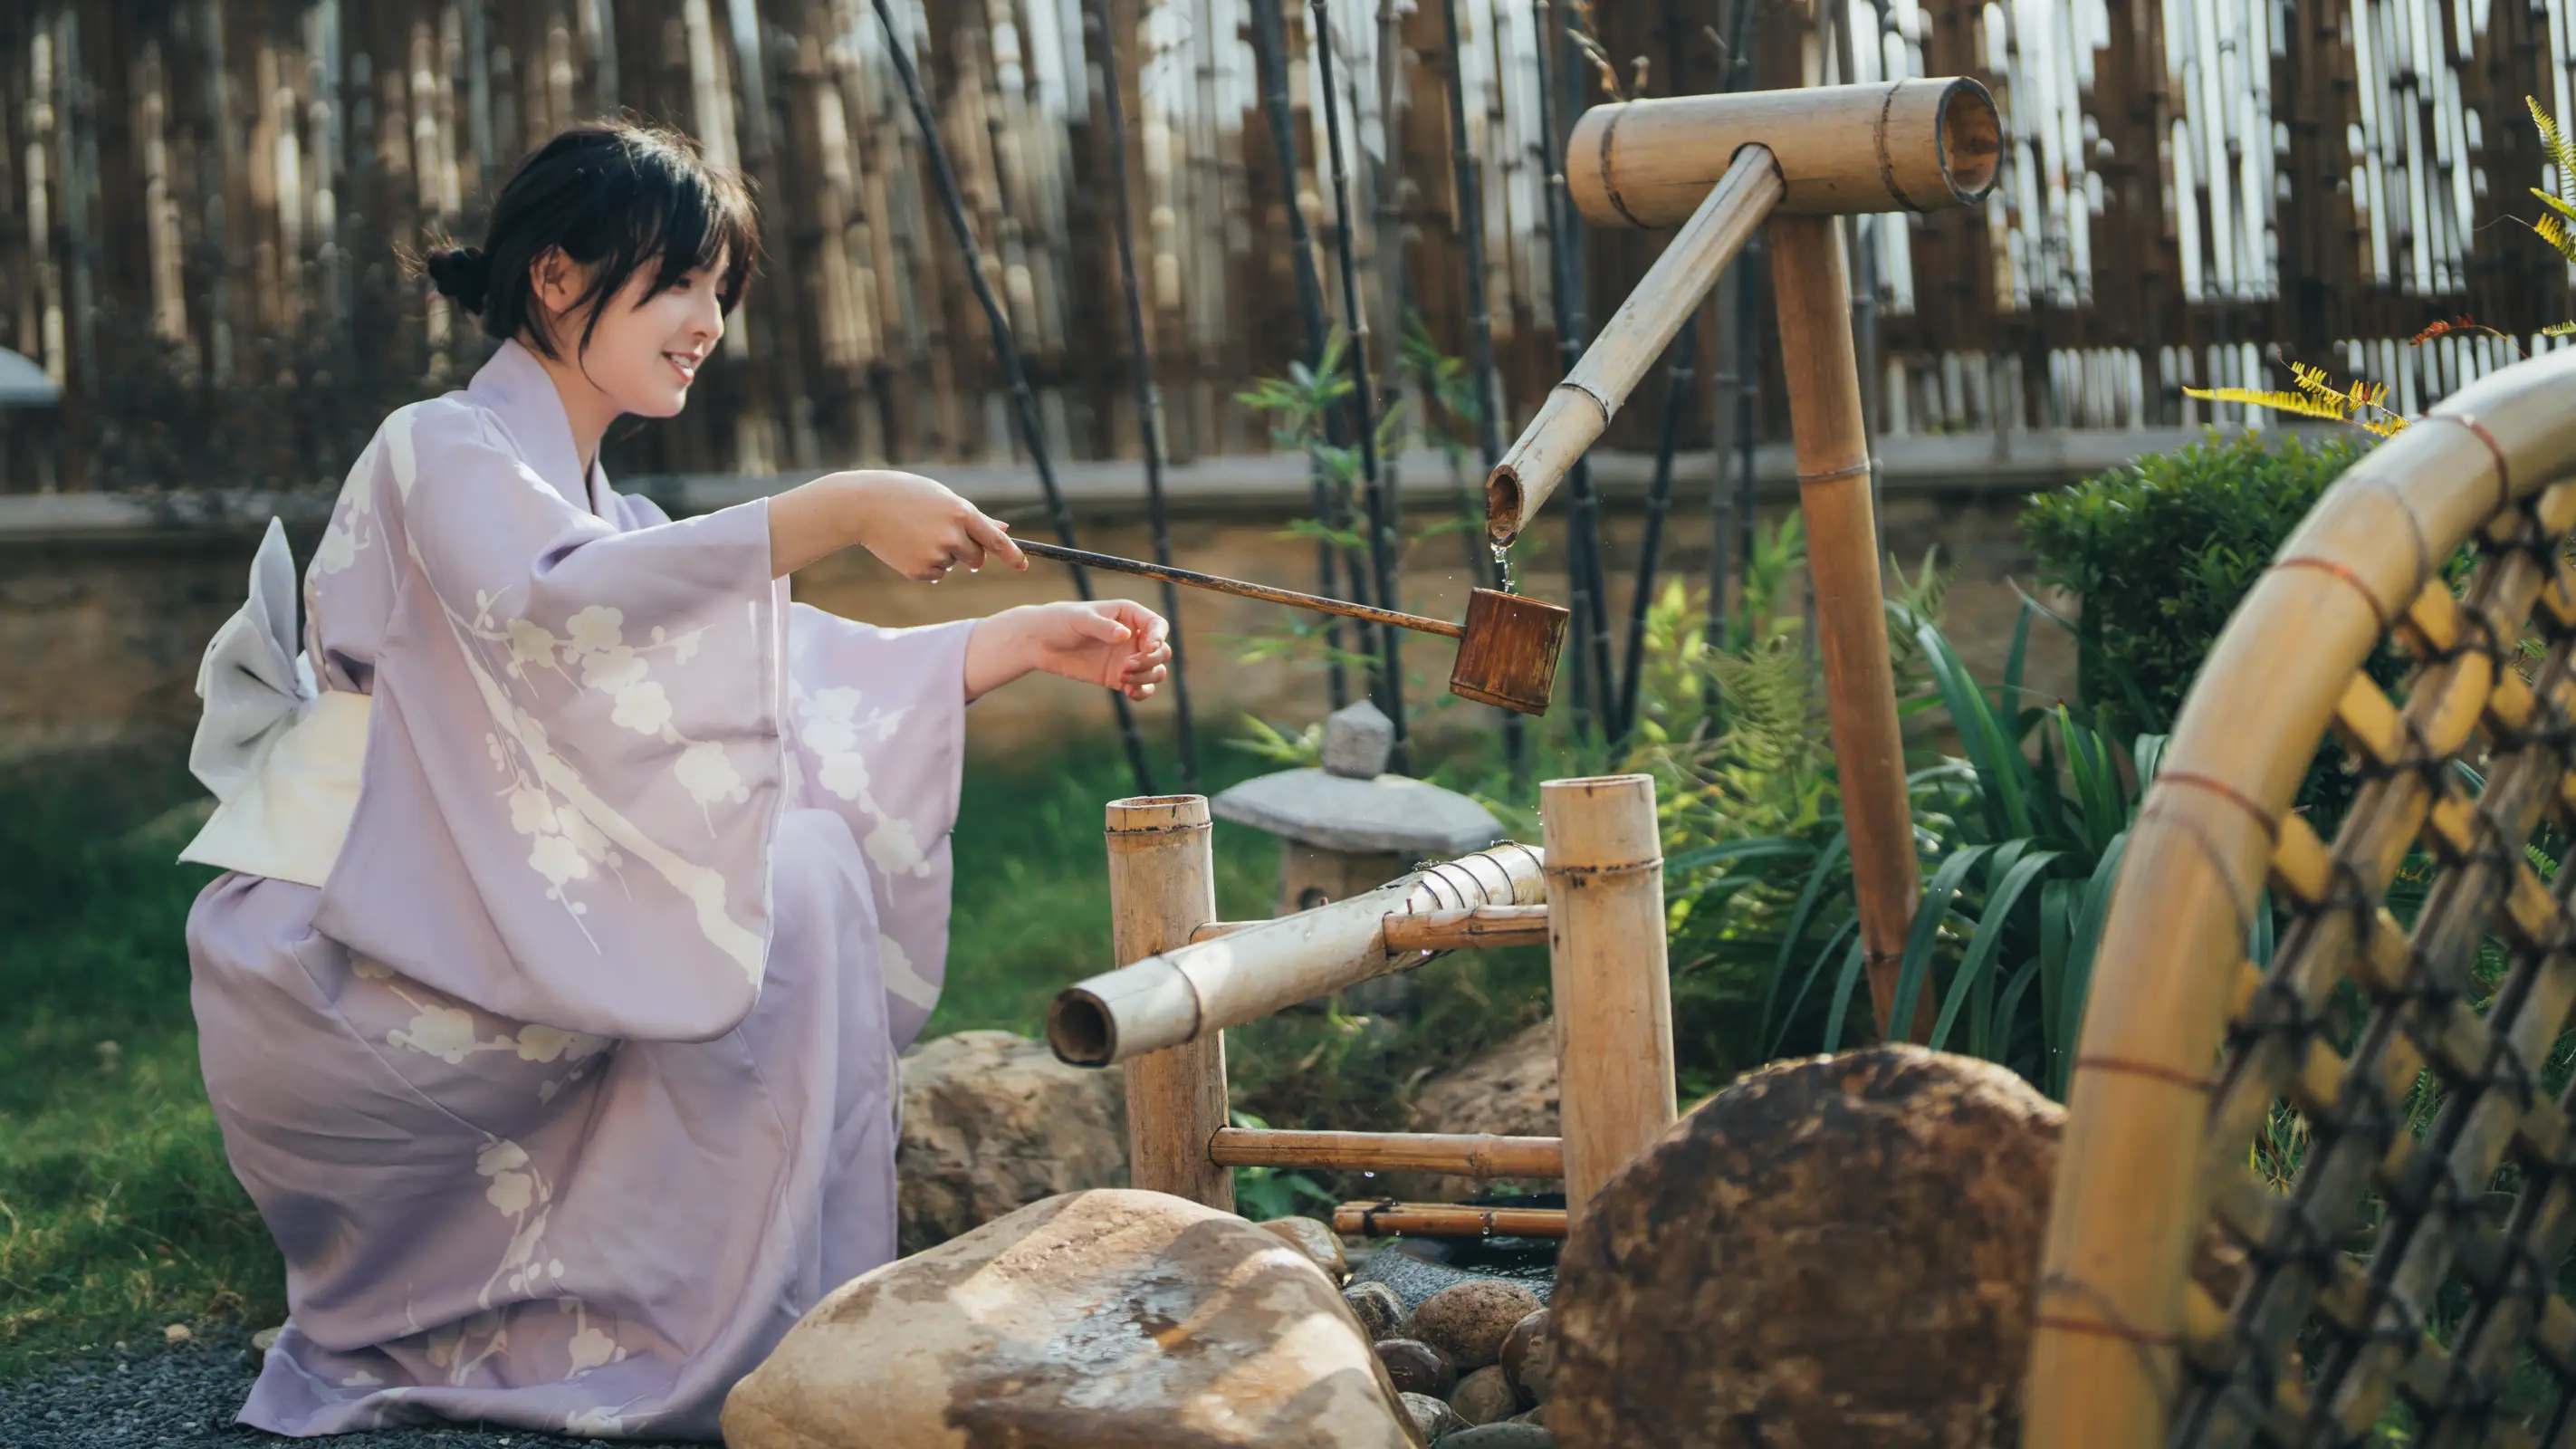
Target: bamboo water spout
[(1196, 990), (1719, 165)]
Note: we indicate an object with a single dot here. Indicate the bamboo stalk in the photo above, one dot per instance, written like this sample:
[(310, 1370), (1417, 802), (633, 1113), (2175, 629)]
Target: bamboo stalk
[(1480, 342), (1216, 583), (1162, 884), (1485, 926), (1614, 1016), (1381, 537), (1580, 408), (1391, 1219), (1148, 403), (1456, 1154), (1191, 991), (1024, 403), (1814, 301), (1270, 56)]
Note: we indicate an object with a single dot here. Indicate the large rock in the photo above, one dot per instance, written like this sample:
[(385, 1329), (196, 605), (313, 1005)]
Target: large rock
[(1098, 1320), (1509, 1090), (1828, 1253), (993, 1122)]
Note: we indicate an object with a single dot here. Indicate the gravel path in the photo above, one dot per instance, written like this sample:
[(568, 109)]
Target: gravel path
[(185, 1398)]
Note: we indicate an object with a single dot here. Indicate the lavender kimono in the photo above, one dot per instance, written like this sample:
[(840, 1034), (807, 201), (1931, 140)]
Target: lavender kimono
[(572, 1086)]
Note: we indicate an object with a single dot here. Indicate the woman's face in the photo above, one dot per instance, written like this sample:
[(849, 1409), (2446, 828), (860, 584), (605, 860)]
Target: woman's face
[(648, 345)]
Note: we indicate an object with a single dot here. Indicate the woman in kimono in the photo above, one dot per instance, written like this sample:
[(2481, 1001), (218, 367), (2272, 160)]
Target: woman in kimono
[(582, 890)]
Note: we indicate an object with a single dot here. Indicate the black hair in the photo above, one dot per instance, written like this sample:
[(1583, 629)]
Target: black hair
[(613, 197)]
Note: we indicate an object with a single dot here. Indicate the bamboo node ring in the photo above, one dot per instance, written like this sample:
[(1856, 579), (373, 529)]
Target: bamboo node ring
[(2101, 1328), (2132, 1067), (1886, 163), (1610, 173), (1633, 867), (1836, 475), (1608, 408), (2378, 610), (2495, 450), (2271, 824)]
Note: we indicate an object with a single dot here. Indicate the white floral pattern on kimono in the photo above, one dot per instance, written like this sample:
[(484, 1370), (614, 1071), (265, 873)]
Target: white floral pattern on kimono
[(571, 1088)]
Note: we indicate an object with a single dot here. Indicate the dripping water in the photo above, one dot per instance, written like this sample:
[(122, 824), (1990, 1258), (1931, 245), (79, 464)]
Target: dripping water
[(1503, 569)]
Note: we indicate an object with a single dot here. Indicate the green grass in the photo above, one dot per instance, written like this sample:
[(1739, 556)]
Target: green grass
[(118, 1213)]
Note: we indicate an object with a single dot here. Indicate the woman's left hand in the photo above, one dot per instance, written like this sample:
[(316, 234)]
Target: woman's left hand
[(1114, 643)]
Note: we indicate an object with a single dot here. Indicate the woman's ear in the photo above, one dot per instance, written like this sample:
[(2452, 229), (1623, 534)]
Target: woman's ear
[(554, 280)]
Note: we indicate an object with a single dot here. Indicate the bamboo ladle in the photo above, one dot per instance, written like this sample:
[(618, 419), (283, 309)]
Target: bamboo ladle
[(1507, 649)]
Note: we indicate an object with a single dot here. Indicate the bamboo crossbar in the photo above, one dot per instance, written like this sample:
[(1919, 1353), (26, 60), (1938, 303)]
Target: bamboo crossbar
[(1199, 988), (1580, 408), (1487, 926), (1461, 1154), (1443, 1220)]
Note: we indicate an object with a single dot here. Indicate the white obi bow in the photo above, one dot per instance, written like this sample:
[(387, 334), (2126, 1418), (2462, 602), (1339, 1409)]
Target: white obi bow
[(282, 756)]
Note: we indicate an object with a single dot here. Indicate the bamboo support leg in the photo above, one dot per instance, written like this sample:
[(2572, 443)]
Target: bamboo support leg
[(1162, 887), (1813, 295), (1614, 1011)]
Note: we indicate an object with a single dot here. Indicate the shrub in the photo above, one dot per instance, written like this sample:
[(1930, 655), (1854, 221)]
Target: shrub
[(2162, 550)]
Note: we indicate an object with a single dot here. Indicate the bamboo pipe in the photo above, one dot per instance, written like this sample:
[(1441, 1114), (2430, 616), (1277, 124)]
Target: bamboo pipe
[(1614, 1013), (1443, 1220), (1459, 1154), (1162, 884), (1813, 297), (1910, 145), (1190, 991), (1579, 409)]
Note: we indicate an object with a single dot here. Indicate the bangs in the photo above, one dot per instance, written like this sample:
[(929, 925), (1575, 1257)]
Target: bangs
[(632, 198)]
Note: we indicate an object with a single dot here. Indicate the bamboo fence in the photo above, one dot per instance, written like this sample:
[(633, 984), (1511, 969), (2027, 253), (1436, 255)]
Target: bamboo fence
[(2305, 1198), (203, 202)]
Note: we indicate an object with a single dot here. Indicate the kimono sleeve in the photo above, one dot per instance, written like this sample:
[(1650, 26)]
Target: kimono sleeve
[(577, 770), (877, 737)]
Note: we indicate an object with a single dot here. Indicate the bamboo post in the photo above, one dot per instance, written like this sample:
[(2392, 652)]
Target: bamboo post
[(1614, 1014), (1813, 296), (1162, 886)]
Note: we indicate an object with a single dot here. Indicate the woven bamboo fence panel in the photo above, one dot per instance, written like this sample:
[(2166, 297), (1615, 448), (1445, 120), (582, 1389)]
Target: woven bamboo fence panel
[(2318, 1201), (203, 203)]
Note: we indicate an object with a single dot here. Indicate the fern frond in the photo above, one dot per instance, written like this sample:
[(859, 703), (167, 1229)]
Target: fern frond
[(2559, 329), (2560, 152), (2553, 230), (2313, 381), (2387, 427), (2564, 209), (2334, 407)]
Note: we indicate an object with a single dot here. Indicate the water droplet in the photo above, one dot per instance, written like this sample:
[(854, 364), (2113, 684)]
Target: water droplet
[(1503, 569)]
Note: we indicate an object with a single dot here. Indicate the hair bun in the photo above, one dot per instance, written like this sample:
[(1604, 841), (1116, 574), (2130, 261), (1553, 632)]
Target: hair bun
[(462, 275)]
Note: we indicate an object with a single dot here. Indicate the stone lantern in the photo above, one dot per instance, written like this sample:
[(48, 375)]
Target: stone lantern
[(1351, 827)]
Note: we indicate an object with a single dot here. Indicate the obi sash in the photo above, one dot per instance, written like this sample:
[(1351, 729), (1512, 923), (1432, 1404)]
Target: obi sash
[(282, 756)]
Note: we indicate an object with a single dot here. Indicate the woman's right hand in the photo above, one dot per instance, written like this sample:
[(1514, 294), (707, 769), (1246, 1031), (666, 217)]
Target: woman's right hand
[(921, 529)]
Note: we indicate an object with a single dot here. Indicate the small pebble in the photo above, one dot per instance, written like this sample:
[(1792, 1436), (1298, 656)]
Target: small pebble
[(1434, 1418), (264, 1339), (1484, 1397), (1380, 1310), (1313, 1239), (1469, 1321), (1417, 1367), (176, 1333), (1529, 1358)]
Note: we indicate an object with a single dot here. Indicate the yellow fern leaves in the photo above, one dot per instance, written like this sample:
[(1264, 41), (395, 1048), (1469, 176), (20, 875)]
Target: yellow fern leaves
[(2363, 404)]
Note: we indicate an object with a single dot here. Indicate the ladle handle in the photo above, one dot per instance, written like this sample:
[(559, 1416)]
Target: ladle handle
[(1216, 584)]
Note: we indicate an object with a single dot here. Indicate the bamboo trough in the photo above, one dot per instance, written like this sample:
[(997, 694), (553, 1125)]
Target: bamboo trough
[(2188, 1052), (1188, 976)]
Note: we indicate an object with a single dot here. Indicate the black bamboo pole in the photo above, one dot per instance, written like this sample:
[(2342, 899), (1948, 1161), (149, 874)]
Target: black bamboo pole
[(1659, 499), (1270, 58), (1480, 343), (1740, 341), (1381, 538), (1007, 352), (1148, 404), (1584, 578)]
